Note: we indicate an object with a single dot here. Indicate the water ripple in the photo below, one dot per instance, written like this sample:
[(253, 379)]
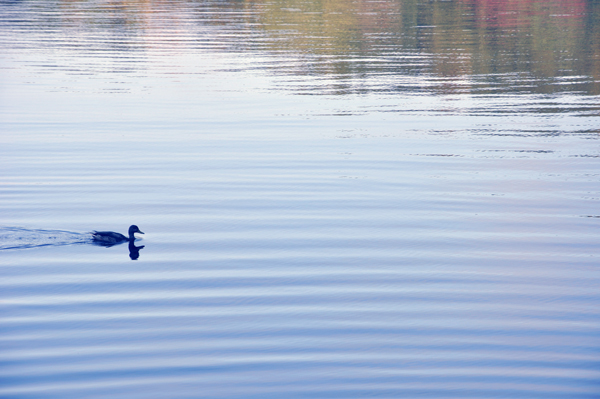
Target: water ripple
[(21, 238)]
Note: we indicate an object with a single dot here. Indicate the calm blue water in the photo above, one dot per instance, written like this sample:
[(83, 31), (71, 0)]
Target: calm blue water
[(340, 199)]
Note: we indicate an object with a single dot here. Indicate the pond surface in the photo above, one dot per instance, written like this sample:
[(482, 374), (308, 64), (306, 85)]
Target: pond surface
[(340, 199)]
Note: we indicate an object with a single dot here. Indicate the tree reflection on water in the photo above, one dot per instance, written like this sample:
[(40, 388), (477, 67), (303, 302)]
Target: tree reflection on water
[(547, 46)]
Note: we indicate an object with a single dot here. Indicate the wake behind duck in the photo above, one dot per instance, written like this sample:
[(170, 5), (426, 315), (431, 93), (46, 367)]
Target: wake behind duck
[(21, 238)]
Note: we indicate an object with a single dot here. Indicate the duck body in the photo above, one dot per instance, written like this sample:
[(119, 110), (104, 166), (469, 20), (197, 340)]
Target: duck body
[(112, 238)]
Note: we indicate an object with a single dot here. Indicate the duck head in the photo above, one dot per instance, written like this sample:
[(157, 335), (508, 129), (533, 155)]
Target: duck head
[(134, 229)]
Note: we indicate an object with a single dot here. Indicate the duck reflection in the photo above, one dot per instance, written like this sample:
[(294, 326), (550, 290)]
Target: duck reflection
[(134, 252), (110, 238)]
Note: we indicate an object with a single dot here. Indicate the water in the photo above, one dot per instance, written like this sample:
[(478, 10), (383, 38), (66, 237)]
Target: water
[(341, 199)]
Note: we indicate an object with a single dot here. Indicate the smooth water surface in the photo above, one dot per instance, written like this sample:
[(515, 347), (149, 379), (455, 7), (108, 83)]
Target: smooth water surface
[(341, 199)]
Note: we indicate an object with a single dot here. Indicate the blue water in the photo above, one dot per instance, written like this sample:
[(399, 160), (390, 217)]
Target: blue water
[(341, 199)]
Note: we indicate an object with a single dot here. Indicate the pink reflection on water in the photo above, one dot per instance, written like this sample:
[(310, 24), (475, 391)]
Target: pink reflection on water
[(512, 14)]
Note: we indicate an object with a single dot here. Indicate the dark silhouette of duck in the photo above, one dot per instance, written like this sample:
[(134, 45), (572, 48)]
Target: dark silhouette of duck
[(109, 238)]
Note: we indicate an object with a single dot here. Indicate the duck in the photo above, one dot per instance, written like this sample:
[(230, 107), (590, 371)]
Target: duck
[(112, 238)]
